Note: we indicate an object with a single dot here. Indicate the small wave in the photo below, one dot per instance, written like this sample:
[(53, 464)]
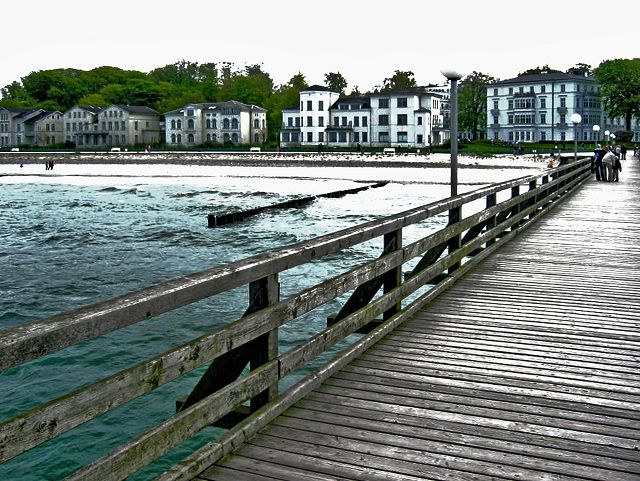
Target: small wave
[(130, 191), (194, 193), (75, 204), (109, 189)]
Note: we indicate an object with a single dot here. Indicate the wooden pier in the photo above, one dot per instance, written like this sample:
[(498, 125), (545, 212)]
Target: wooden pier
[(521, 361), (528, 368)]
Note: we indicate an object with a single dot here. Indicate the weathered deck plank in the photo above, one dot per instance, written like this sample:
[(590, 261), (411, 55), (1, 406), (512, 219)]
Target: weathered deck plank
[(528, 368)]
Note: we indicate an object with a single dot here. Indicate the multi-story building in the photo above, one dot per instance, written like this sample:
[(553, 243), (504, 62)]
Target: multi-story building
[(538, 107), (384, 119), (116, 125), (216, 123), (122, 125), (81, 126), (15, 129), (46, 128)]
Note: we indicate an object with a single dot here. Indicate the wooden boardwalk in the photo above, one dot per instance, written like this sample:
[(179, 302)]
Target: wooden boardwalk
[(527, 369)]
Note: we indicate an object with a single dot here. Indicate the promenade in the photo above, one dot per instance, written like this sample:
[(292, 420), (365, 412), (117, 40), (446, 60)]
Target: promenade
[(526, 369)]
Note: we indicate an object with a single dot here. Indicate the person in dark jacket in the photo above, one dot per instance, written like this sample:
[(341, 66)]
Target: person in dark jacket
[(601, 173)]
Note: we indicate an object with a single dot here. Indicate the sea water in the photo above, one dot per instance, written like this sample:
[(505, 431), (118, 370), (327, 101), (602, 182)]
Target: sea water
[(84, 233)]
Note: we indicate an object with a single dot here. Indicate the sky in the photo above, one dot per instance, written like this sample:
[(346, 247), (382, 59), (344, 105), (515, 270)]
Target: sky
[(364, 40)]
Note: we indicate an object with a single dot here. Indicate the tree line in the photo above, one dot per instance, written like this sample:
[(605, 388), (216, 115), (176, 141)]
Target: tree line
[(172, 86)]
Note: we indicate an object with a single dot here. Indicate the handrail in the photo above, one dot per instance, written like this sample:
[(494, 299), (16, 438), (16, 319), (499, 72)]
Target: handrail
[(486, 229)]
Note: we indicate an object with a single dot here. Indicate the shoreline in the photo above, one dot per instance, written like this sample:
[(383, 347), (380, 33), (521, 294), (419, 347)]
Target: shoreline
[(287, 159)]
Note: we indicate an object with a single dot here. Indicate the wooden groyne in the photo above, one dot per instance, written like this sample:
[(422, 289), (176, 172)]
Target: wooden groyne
[(233, 217)]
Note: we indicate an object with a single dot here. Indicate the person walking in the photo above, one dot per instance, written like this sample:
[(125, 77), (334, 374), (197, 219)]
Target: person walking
[(598, 154), (623, 152), (608, 162)]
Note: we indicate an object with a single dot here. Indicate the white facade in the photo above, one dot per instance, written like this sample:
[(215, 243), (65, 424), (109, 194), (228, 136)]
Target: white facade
[(538, 107), (216, 123), (15, 129), (385, 119), (81, 125), (315, 103)]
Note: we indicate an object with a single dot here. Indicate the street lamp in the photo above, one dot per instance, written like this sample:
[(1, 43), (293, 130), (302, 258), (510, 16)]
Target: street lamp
[(613, 138), (453, 76), (596, 129), (606, 136), (575, 120)]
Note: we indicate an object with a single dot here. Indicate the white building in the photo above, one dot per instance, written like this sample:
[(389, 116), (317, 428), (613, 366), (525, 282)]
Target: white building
[(14, 127), (384, 119), (538, 107), (81, 126), (216, 123)]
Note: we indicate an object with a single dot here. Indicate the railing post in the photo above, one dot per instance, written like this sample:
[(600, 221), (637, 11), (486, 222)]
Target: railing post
[(264, 293), (454, 242), (532, 186), (393, 278), (515, 192), (491, 221)]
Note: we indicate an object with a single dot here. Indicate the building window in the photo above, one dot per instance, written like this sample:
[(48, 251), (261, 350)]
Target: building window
[(495, 105), (531, 90), (208, 136), (402, 102), (495, 120), (234, 124), (309, 105), (256, 124), (356, 121), (402, 119), (189, 112), (543, 88), (419, 139), (543, 118), (383, 137), (365, 137), (320, 136), (225, 124), (285, 136), (333, 137), (214, 123), (562, 88), (208, 122), (179, 124), (342, 137), (511, 93), (510, 104), (190, 124), (173, 124), (563, 118), (383, 103), (320, 121), (320, 105), (356, 136), (226, 138), (543, 135), (563, 101), (309, 121), (290, 122), (364, 121), (190, 138), (495, 92), (383, 120), (543, 103), (234, 138), (344, 121), (173, 138), (402, 137), (309, 136), (419, 120), (301, 106)]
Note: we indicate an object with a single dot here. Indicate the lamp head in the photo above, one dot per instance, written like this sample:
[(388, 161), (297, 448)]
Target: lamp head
[(606, 132), (596, 128), (576, 119), (451, 74)]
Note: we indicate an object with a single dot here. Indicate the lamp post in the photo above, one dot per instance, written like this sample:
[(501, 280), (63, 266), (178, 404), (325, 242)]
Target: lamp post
[(575, 120), (596, 129), (453, 76), (606, 136), (613, 139)]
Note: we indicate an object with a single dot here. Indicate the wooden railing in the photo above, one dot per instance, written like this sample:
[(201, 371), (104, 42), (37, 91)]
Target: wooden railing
[(246, 402)]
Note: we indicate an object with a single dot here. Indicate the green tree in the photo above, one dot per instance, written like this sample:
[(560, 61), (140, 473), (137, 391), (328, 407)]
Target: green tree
[(620, 88), (335, 81), (400, 80), (472, 103), (581, 69)]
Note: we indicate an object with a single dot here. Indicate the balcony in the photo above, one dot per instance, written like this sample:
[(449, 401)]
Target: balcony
[(495, 111), (349, 126), (561, 110), (562, 125), (524, 94), (290, 127)]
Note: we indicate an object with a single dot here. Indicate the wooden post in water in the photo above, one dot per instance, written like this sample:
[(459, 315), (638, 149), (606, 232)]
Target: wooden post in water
[(393, 278), (491, 221), (454, 242)]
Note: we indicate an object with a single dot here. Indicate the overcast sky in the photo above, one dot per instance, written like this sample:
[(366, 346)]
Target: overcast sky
[(364, 40)]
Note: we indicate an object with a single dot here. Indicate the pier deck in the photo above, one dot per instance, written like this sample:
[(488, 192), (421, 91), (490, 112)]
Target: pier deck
[(528, 368)]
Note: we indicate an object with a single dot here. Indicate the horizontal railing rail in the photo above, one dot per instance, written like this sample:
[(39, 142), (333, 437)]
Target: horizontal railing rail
[(223, 393)]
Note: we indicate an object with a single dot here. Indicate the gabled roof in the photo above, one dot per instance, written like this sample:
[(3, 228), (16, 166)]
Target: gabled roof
[(14, 110), (137, 109), (217, 105), (545, 77), (317, 88), (42, 115)]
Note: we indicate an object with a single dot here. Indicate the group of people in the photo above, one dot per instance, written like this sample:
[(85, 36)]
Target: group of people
[(48, 165), (607, 162)]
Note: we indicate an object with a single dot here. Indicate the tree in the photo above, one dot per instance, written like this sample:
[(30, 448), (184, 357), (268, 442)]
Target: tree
[(539, 70), (620, 88), (472, 103), (581, 69), (400, 80), (335, 82)]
